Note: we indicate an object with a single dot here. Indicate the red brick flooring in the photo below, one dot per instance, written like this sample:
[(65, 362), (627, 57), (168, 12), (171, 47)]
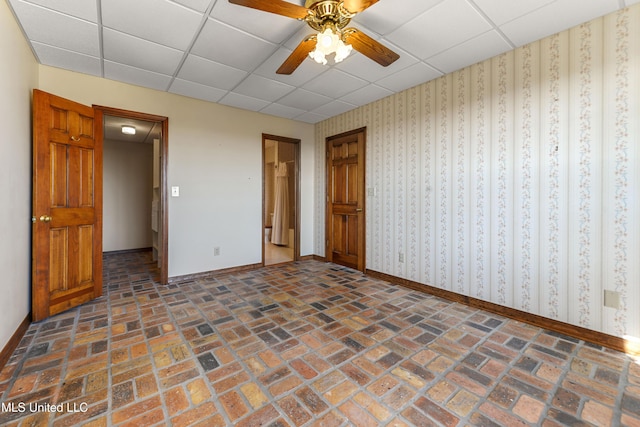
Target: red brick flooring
[(302, 344)]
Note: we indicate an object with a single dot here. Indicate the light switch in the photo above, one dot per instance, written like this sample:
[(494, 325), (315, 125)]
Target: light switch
[(175, 191)]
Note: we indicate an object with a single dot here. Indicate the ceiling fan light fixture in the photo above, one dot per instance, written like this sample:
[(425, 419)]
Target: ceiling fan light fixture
[(329, 42), (128, 130), (342, 51), (318, 56)]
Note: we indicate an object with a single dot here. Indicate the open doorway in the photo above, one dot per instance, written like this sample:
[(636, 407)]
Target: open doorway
[(280, 195), (135, 199)]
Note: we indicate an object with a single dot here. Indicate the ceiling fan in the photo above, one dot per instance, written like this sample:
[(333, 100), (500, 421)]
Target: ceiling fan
[(329, 18)]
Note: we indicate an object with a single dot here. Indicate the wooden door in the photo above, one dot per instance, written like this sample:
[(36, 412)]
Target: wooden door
[(345, 227), (67, 205)]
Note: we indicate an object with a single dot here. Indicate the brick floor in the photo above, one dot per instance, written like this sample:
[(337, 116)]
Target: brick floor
[(298, 344)]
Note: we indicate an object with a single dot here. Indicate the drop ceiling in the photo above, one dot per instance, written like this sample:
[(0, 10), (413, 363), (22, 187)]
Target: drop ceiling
[(228, 54)]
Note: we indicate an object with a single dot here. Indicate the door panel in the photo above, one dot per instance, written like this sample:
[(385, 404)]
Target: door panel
[(352, 184), (67, 205), (345, 199)]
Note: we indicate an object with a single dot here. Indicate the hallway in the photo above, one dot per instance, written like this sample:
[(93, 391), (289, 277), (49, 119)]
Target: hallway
[(304, 343)]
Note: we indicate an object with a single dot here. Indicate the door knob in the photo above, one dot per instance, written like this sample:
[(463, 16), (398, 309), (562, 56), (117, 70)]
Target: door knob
[(45, 218), (358, 210)]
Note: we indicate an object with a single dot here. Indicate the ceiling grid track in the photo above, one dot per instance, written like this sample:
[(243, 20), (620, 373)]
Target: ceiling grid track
[(187, 52), (100, 35)]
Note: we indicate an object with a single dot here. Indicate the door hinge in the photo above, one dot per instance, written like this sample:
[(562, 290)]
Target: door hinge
[(327, 242)]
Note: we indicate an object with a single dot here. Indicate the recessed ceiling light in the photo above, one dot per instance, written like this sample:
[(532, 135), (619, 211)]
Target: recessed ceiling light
[(128, 130)]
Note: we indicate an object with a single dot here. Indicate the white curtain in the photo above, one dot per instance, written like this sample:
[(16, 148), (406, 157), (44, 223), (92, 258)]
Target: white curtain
[(280, 226)]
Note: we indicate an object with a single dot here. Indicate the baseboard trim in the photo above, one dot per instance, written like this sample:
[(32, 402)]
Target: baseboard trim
[(127, 251), (14, 341), (578, 332), (238, 269)]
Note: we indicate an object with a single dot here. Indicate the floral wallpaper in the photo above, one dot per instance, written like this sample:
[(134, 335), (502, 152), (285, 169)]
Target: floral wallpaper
[(515, 180)]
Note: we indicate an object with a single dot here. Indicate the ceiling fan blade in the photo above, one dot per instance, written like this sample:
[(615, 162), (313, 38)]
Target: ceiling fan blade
[(298, 55), (370, 48), (357, 6), (278, 7)]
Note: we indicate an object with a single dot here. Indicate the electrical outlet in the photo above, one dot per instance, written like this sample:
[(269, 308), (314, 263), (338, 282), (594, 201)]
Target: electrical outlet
[(216, 251), (611, 299), (400, 257)]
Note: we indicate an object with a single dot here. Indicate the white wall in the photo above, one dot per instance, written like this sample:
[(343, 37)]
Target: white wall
[(19, 75), (127, 191), (516, 180), (215, 157)]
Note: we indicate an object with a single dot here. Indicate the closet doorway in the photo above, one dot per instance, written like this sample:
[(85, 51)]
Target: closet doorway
[(134, 184), (280, 199)]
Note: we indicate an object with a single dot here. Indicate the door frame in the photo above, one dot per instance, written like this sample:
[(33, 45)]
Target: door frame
[(102, 111), (296, 231), (362, 223)]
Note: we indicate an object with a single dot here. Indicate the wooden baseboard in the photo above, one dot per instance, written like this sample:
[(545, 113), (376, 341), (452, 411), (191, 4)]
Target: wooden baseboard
[(238, 269), (127, 251), (13, 342), (313, 258), (578, 332)]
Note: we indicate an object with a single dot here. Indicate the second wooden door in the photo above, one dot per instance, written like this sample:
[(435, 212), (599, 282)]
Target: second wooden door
[(345, 226)]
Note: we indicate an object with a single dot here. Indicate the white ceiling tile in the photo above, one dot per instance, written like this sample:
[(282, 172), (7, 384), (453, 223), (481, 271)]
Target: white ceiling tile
[(311, 118), (305, 72), (555, 17), (409, 77), (301, 34), (484, 46), (365, 68), (56, 29), (269, 26), (445, 25), (282, 111), (501, 11), (222, 43), (199, 5), (263, 88), (304, 100), (244, 102), (334, 84), (135, 76), (366, 95), (139, 53), (210, 73), (159, 21), (334, 108), (80, 9), (196, 90), (385, 16), (61, 58)]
